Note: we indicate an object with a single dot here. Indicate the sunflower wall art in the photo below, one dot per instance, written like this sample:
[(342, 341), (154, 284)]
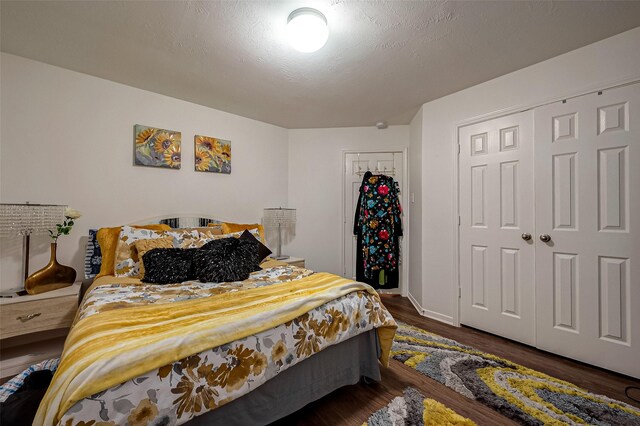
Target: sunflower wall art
[(212, 155), (157, 147)]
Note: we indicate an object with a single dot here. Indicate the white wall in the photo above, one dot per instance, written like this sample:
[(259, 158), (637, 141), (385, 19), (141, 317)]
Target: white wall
[(585, 69), (67, 138), (315, 186), (415, 204)]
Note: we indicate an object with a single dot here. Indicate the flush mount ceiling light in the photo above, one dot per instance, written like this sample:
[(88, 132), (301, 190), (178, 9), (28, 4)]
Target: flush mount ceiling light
[(307, 29)]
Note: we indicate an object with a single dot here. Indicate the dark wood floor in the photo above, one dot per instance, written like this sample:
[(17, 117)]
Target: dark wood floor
[(352, 405)]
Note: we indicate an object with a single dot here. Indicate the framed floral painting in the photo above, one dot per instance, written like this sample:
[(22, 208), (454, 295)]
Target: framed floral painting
[(212, 155), (157, 147)]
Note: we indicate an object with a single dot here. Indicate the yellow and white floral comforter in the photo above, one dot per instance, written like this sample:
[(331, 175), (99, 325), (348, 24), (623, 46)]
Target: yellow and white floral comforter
[(146, 354)]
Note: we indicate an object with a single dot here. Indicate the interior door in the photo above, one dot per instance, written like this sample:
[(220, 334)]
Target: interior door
[(587, 202), (356, 164), (496, 216)]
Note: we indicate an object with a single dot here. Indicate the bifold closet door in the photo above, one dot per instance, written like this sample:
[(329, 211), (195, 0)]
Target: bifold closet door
[(496, 224), (587, 165)]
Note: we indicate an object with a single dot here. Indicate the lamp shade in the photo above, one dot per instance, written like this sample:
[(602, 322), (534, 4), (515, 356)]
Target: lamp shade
[(29, 219), (279, 218), (274, 217)]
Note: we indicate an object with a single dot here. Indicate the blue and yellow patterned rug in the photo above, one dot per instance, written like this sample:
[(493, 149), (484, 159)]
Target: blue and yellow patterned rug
[(522, 394)]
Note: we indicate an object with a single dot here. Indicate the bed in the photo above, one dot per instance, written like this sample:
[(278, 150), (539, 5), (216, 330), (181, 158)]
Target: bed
[(243, 352)]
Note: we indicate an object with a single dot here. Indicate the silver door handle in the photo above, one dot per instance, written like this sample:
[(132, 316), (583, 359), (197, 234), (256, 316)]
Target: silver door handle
[(545, 238), (526, 236)]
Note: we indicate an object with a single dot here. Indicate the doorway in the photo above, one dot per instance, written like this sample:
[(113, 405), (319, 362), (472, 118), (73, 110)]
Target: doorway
[(355, 164)]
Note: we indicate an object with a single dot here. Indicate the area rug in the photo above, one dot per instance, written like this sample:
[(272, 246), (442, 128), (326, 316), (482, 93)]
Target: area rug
[(522, 394), (414, 409)]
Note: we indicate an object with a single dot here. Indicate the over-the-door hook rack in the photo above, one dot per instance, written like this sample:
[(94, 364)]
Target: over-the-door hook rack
[(377, 171), (361, 172), (384, 170)]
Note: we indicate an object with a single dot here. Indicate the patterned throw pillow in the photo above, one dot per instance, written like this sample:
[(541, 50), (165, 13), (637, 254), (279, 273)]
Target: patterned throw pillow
[(144, 246), (127, 261), (168, 265), (263, 251), (108, 241), (226, 260), (93, 256), (208, 236), (210, 231)]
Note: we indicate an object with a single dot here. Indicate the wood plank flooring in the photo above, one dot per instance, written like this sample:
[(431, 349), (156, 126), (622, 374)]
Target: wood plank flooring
[(352, 405)]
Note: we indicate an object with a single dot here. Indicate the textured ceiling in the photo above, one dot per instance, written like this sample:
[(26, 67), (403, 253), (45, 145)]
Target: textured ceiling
[(381, 62)]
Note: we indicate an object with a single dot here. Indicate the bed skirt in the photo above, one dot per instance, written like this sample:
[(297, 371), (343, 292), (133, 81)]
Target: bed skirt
[(333, 367)]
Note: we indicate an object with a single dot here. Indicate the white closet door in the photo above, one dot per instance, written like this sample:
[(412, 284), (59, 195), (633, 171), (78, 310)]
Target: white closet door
[(496, 208), (356, 164), (588, 202)]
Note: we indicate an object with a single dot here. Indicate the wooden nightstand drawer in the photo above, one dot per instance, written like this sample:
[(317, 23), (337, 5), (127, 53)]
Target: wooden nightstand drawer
[(46, 311), (37, 315)]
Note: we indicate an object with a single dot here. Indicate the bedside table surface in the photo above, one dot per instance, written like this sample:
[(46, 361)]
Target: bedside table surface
[(72, 290), (294, 261)]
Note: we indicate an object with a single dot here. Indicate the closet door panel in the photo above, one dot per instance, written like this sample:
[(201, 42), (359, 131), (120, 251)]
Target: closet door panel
[(496, 197), (587, 155)]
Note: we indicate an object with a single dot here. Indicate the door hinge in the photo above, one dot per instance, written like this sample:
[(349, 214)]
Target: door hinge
[(458, 148), (459, 292), (459, 221)]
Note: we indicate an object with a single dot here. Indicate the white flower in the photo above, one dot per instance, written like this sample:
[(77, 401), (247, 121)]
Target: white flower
[(71, 213)]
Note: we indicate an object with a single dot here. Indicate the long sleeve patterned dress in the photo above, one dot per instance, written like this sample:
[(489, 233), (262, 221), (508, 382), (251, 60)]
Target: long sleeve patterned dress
[(378, 227)]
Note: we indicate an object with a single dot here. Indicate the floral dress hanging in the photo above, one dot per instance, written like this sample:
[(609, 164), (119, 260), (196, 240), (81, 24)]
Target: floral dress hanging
[(378, 223)]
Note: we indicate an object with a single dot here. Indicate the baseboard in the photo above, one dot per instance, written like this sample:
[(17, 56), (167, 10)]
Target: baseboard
[(429, 314), (438, 316), (390, 291), (415, 303)]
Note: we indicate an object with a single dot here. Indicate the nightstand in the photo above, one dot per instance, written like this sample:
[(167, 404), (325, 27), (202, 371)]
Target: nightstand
[(33, 327), (294, 261)]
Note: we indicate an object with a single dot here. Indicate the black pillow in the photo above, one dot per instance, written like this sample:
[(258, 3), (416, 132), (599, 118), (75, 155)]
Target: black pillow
[(263, 251), (222, 247), (225, 260), (20, 407), (168, 265)]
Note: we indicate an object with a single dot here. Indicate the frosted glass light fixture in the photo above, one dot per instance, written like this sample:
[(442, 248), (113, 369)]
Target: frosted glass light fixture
[(307, 29), (28, 219), (278, 218)]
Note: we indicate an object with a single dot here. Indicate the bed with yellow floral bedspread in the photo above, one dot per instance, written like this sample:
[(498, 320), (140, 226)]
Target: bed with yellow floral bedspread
[(149, 354)]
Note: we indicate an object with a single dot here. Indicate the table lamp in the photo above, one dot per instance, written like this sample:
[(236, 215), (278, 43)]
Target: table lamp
[(26, 220), (278, 218)]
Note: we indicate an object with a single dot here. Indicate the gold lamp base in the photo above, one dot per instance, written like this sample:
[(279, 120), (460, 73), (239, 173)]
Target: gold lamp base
[(51, 277)]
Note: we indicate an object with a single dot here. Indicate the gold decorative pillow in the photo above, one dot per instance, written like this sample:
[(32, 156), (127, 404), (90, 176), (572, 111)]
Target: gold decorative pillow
[(230, 228), (143, 246), (108, 240)]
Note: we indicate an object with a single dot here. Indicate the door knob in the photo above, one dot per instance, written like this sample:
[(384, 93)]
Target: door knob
[(526, 236), (545, 238)]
